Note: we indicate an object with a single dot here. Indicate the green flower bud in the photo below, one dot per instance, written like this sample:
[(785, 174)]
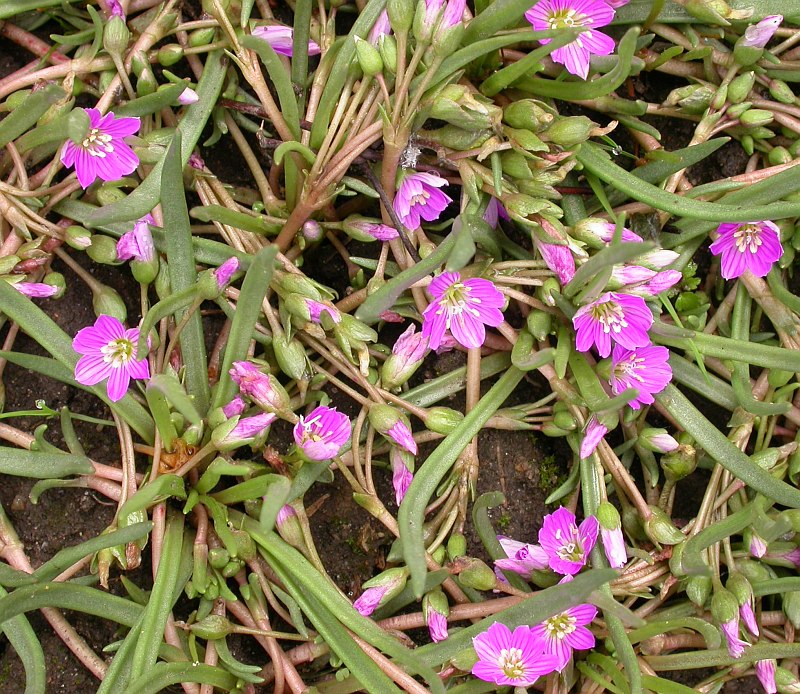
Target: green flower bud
[(740, 587), (565, 421), (724, 606), (569, 131), (423, 24), (435, 600), (218, 557), (456, 546), (754, 571), (145, 272), (693, 99), (202, 37), (779, 155), (146, 83), (213, 627), (368, 57), (528, 114), (107, 301), (387, 47), (740, 87), (232, 568), (746, 141), (108, 195), (290, 355), (439, 555), (401, 14), (660, 529), (553, 431), (116, 36), (77, 237), (162, 283), (680, 463), (460, 106), (759, 132), (608, 516), (56, 279), (698, 588), (474, 573), (540, 324), (756, 116), (786, 682), (103, 250), (170, 54), (443, 420), (243, 547)]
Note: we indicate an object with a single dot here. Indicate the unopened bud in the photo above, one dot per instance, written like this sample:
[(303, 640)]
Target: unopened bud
[(116, 36), (107, 301), (387, 47), (170, 54), (657, 440), (660, 528), (443, 420), (212, 627), (218, 557), (724, 606), (202, 37), (368, 57), (401, 14), (756, 117), (290, 355), (680, 463), (474, 573), (698, 589), (528, 114), (456, 546), (791, 607), (739, 88)]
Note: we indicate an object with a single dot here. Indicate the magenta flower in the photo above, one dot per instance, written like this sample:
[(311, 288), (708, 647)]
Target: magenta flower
[(592, 436), (109, 352), (381, 232), (263, 389), (736, 646), (621, 317), (281, 39), (758, 546), (765, 671), (566, 544), (753, 246), (323, 433), (138, 244), (569, 14), (196, 162), (558, 258), (748, 616), (402, 436), (235, 407), (103, 153), (317, 308), (592, 230), (115, 9), (402, 472), (437, 625), (522, 558), (511, 658), (566, 632), (188, 96), (419, 197), (646, 369), (381, 589), (36, 290), (244, 430), (225, 272), (407, 354), (759, 35), (463, 308), (660, 283)]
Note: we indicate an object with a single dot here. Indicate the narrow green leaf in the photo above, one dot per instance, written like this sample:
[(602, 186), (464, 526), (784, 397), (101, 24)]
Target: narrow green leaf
[(151, 103), (161, 676), (42, 466), (160, 489), (21, 119), (23, 640)]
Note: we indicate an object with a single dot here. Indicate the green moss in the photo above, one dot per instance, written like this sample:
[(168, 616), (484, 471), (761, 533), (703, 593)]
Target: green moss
[(550, 476)]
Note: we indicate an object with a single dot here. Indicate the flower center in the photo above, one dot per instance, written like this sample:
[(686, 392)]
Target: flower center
[(511, 663), (629, 368), (420, 198), (567, 19), (118, 352), (98, 143), (560, 626), (312, 430), (610, 315), (748, 238), (570, 549)]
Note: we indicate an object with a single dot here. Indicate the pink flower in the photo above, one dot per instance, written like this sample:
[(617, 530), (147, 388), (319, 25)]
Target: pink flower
[(402, 436), (765, 671), (382, 232), (748, 616), (369, 600), (646, 369), (437, 626), (322, 433), (109, 352), (263, 389), (196, 162), (381, 589), (758, 547), (102, 153), (658, 440), (614, 547), (36, 290), (592, 229), (566, 632), (402, 474), (381, 28), (463, 308), (569, 14), (752, 246), (453, 14), (317, 308), (736, 646), (494, 213), (759, 35), (566, 544), (234, 408), (281, 39), (522, 558), (245, 430), (558, 258), (511, 658), (188, 96), (592, 436), (419, 197), (407, 354), (622, 317), (616, 3), (138, 244), (115, 8), (660, 283), (226, 271)]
